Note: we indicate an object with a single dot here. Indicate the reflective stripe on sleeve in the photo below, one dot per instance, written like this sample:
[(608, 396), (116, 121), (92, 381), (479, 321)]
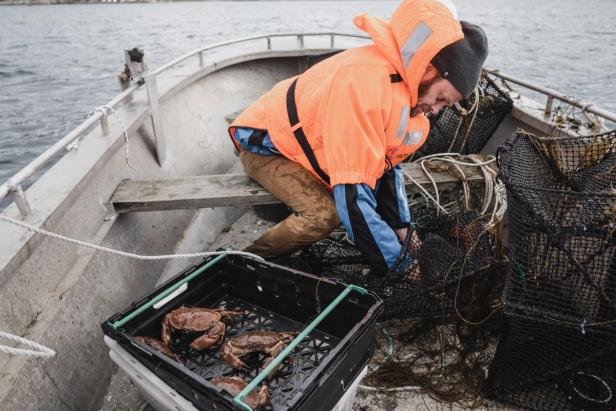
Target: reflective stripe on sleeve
[(412, 138), (404, 119), (403, 206)]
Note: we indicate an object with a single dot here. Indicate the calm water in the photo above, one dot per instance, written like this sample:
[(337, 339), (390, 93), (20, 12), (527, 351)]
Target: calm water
[(59, 62)]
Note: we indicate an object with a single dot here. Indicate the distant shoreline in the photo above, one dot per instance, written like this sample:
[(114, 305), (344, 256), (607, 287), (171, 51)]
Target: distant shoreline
[(64, 2)]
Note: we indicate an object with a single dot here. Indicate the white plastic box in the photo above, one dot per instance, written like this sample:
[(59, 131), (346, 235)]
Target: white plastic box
[(161, 397)]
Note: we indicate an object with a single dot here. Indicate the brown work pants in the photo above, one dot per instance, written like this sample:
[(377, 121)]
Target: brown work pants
[(314, 211)]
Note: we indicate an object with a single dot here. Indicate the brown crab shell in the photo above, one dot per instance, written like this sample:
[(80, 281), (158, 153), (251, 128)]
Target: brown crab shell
[(235, 385)]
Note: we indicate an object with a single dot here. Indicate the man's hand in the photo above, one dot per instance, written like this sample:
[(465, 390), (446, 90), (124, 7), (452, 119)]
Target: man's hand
[(415, 245), (411, 273), (401, 233), (415, 241)]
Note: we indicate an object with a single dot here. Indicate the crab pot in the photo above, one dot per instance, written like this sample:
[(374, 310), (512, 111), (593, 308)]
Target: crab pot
[(562, 220), (453, 131), (455, 256), (272, 298), (552, 368)]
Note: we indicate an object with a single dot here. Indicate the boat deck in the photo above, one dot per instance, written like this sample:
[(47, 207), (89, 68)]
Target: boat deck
[(123, 395)]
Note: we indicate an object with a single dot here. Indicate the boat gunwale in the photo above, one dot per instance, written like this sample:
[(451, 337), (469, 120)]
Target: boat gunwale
[(553, 94), (23, 244), (14, 184), (48, 216)]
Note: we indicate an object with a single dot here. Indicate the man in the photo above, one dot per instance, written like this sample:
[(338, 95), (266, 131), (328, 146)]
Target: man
[(328, 142)]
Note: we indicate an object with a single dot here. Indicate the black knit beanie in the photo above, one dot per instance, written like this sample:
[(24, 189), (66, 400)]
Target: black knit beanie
[(461, 61)]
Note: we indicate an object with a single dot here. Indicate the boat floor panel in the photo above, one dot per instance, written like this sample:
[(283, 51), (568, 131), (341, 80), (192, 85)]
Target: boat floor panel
[(123, 395)]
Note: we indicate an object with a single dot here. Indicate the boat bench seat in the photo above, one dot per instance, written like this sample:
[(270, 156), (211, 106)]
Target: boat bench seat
[(225, 190)]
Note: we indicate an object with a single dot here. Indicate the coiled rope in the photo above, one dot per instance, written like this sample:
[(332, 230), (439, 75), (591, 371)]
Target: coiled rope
[(493, 189), (478, 93), (42, 351)]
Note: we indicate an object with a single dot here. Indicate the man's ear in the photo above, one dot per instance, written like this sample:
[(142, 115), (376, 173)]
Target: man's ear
[(430, 73)]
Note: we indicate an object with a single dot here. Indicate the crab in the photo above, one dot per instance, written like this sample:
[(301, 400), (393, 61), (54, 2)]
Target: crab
[(211, 322), (269, 342), (235, 385), (158, 345)]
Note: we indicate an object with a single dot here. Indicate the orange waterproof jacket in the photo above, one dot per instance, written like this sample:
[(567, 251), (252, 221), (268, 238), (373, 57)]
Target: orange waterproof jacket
[(354, 107)]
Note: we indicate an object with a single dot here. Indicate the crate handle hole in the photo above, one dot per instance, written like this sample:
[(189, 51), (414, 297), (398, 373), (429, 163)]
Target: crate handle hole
[(298, 296), (171, 296), (259, 286)]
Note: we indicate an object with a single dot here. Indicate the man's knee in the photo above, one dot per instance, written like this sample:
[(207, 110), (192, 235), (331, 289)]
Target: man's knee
[(321, 221)]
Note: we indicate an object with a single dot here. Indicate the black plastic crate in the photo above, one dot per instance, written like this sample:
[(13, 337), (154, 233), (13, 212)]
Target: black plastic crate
[(273, 298)]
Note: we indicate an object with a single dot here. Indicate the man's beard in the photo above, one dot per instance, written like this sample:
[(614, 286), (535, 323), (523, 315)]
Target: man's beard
[(422, 90)]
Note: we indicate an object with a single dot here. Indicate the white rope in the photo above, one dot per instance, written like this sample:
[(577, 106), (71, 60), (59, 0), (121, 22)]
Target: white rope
[(597, 123), (37, 350), (105, 110), (474, 109), (465, 187), (424, 191), (491, 159), (489, 178), (117, 252), (436, 192), (391, 389), (42, 351), (500, 203)]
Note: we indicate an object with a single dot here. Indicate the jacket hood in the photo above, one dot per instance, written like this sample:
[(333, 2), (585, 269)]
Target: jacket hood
[(417, 31)]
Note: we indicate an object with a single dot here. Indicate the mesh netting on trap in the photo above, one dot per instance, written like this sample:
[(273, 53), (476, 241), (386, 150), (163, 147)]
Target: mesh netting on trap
[(562, 218), (468, 131), (447, 362), (547, 367), (453, 250)]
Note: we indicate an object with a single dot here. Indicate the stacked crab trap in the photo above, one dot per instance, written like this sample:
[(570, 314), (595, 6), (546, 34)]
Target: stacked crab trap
[(239, 333), (455, 252), (560, 292), (468, 127)]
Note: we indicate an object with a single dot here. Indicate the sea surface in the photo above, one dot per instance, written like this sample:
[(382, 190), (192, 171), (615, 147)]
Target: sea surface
[(58, 62)]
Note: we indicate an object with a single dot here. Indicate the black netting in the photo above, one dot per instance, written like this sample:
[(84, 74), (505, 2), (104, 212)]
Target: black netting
[(562, 217), (553, 368), (453, 250), (451, 131)]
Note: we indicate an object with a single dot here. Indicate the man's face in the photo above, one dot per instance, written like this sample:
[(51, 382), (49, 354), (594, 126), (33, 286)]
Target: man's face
[(435, 92)]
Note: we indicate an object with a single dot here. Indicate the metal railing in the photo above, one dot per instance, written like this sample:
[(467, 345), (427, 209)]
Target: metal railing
[(552, 94), (268, 37), (13, 185)]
